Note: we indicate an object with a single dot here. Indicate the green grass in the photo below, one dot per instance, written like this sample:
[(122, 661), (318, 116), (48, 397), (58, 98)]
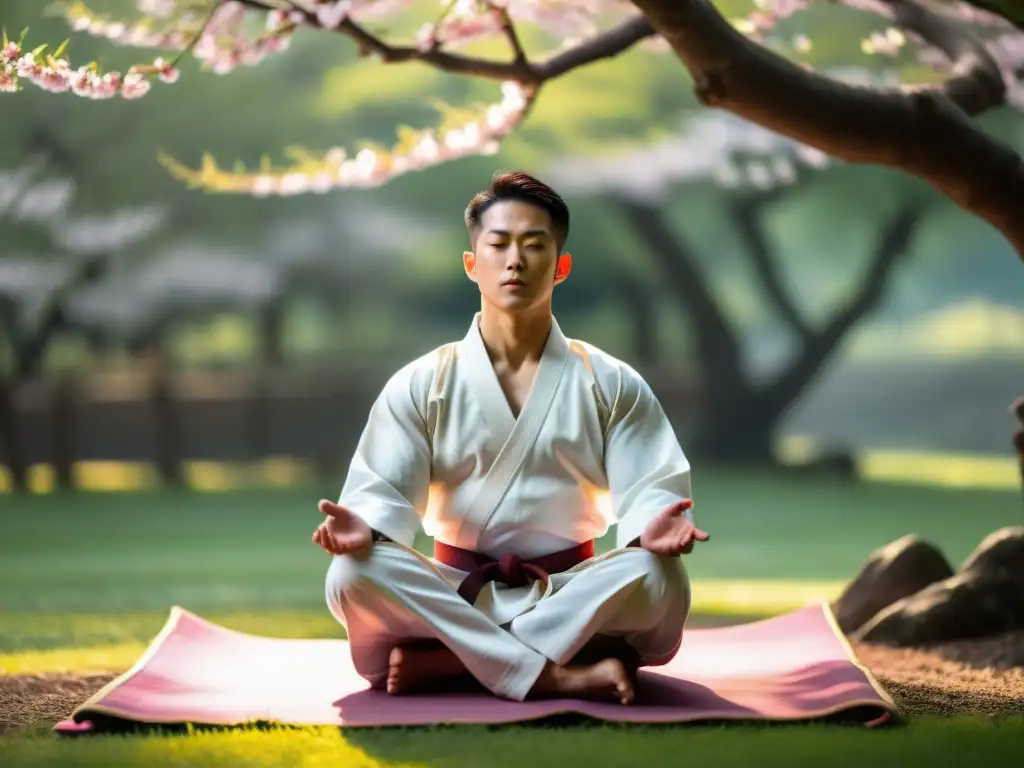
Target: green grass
[(86, 581), (251, 550), (951, 742)]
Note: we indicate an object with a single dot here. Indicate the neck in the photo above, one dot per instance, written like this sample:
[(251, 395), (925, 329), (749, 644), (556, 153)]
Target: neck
[(515, 338)]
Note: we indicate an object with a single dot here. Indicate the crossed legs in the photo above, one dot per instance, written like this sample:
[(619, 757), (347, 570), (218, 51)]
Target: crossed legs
[(392, 602)]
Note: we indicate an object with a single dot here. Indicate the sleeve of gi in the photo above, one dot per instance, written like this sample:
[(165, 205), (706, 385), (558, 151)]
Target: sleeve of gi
[(644, 463), (388, 481)]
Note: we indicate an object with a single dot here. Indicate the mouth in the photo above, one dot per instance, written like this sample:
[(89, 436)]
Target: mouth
[(513, 282)]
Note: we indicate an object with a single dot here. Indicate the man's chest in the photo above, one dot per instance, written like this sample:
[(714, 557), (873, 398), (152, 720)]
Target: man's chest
[(516, 385), (470, 430)]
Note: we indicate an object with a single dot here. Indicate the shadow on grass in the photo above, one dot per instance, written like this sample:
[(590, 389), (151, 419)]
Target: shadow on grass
[(371, 738)]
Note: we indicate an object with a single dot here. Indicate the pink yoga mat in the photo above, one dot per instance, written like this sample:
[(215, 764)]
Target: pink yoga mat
[(796, 666)]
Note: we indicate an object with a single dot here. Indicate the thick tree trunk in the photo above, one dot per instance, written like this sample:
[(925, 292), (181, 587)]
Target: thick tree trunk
[(1018, 436), (166, 426), (64, 410), (925, 131), (271, 358), (739, 417), (11, 450), (715, 342), (736, 433), (642, 315), (29, 354)]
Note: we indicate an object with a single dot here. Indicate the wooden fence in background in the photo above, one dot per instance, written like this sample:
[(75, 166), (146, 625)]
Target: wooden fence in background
[(164, 420)]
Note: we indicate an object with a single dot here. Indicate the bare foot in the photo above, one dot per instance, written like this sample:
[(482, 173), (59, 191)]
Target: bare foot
[(603, 681), (411, 668)]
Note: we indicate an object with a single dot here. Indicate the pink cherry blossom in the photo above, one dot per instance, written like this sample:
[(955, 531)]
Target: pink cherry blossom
[(166, 71), (371, 168), (158, 9), (239, 34), (7, 82), (135, 86), (331, 13), (276, 20)]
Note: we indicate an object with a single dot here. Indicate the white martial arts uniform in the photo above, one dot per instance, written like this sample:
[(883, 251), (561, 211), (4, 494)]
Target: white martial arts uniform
[(442, 451)]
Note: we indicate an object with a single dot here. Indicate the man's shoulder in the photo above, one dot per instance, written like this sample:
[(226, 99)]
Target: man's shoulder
[(612, 374), (421, 374)]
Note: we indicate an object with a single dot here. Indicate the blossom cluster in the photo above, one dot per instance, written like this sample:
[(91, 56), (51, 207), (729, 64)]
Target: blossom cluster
[(226, 34), (53, 73), (415, 151), (221, 40)]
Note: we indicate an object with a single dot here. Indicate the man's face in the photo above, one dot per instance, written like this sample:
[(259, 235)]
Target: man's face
[(516, 256)]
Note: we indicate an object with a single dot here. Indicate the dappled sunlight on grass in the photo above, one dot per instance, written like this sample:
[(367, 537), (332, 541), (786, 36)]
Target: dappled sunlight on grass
[(970, 329), (945, 470), (244, 747), (80, 661)]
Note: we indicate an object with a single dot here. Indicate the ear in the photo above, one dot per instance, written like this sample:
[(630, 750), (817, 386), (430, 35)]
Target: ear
[(469, 264), (563, 268)]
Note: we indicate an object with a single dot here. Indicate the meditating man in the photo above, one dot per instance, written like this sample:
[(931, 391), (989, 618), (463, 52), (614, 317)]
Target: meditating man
[(513, 433)]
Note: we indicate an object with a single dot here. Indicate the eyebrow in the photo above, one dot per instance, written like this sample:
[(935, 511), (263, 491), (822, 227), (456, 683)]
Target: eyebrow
[(527, 233)]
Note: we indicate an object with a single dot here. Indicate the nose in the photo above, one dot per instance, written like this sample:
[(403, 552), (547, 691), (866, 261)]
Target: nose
[(514, 259)]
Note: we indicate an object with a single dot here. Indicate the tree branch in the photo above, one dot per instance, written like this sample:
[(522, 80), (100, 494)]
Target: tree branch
[(747, 211), (717, 345), (892, 246), (509, 30), (608, 44), (30, 347), (922, 130)]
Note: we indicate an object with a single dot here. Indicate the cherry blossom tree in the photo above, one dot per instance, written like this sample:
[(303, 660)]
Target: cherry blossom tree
[(70, 253), (923, 128), (741, 407)]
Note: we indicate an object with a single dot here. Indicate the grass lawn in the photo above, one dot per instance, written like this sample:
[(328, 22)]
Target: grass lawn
[(952, 742), (86, 581)]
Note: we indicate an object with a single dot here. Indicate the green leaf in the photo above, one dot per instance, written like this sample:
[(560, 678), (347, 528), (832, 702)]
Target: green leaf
[(62, 7), (39, 51), (302, 156), (408, 138), (373, 146), (63, 47)]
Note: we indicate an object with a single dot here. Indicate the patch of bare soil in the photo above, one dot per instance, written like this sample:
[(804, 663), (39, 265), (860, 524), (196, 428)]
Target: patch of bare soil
[(30, 699), (982, 677)]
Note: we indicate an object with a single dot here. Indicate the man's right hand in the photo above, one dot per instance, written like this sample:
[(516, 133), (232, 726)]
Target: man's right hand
[(342, 533)]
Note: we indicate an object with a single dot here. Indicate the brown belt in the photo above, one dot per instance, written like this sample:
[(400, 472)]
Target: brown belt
[(507, 569)]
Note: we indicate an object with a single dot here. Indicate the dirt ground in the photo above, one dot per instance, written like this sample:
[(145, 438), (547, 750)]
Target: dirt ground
[(980, 677)]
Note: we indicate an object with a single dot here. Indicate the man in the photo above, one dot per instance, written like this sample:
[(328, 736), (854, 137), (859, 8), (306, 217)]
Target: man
[(511, 433)]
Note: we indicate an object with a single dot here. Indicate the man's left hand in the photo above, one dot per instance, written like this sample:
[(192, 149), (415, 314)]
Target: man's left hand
[(671, 533)]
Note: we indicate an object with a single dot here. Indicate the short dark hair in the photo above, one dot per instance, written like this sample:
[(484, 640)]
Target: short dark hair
[(516, 185)]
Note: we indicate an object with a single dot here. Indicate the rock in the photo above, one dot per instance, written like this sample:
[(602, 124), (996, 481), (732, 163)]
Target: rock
[(891, 573), (1002, 550), (983, 599), (1017, 409)]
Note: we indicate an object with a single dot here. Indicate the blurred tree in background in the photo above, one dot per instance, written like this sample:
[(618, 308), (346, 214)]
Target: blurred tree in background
[(739, 59), (775, 235)]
